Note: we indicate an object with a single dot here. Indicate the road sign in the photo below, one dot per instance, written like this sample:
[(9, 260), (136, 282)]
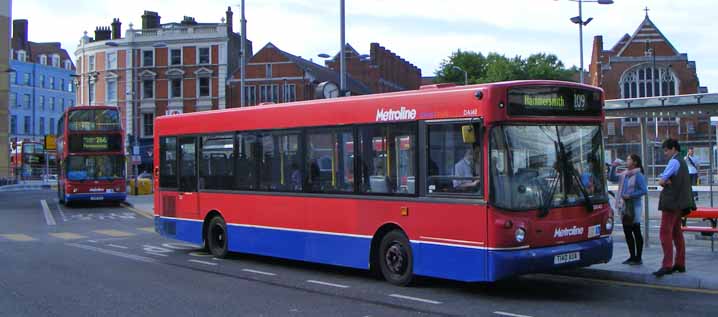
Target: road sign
[(136, 159), (136, 150), (50, 142)]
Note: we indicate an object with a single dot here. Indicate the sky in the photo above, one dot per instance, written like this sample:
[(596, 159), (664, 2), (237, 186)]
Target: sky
[(422, 32)]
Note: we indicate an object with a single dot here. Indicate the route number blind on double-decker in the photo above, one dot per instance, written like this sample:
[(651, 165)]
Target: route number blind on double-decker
[(553, 101), (95, 143)]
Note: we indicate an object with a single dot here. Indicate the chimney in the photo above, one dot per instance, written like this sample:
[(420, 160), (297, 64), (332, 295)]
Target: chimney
[(19, 31), (150, 20), (116, 29), (102, 33), (229, 20), (188, 21)]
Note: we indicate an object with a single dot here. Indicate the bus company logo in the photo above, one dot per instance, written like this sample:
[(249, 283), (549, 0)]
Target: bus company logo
[(395, 115), (567, 232)]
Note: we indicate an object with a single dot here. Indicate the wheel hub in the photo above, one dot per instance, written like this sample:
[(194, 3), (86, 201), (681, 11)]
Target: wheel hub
[(395, 259)]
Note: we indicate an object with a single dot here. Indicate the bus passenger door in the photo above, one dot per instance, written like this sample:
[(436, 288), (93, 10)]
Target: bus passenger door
[(188, 198)]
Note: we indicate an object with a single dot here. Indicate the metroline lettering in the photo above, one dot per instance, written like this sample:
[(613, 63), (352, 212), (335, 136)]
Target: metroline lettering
[(567, 232), (394, 115)]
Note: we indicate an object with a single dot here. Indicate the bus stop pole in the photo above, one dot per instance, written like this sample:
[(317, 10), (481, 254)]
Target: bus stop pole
[(646, 213)]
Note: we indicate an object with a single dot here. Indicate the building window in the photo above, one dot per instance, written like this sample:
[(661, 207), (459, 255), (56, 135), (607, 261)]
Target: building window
[(648, 81), (26, 100), (112, 60), (690, 127), (43, 59), (42, 103), (13, 99), (42, 125), (204, 86), (13, 78), (91, 62), (268, 70), (250, 95), (203, 56), (176, 88), (21, 56), (68, 64), (13, 124), (611, 128), (290, 92), (111, 90), (52, 82), (148, 89), (41, 81), (62, 104), (147, 124), (148, 58), (56, 61), (62, 84), (91, 92), (52, 126), (269, 93), (27, 124), (52, 103), (175, 56), (26, 79)]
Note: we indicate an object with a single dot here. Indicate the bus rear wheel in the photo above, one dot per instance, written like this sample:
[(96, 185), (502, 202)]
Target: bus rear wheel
[(216, 239), (396, 259)]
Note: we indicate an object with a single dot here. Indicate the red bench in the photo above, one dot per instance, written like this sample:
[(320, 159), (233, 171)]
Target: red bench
[(704, 213)]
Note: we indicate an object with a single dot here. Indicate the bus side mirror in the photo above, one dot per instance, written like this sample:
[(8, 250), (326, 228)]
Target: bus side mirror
[(468, 135)]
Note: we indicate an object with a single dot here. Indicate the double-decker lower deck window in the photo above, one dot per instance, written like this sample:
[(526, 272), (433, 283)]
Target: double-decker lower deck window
[(388, 158)]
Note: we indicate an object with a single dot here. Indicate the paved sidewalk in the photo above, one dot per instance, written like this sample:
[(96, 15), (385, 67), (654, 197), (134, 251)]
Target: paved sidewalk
[(142, 203), (701, 265), (28, 185)]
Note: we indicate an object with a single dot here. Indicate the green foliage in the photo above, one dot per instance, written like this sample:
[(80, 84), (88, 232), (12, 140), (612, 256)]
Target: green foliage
[(496, 67)]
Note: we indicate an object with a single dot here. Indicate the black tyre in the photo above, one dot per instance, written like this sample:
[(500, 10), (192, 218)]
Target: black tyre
[(396, 259), (216, 239)]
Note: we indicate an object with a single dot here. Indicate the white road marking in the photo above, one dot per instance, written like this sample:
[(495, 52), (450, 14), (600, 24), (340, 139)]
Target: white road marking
[(115, 253), (509, 314), (429, 301), (48, 214), (157, 254), (259, 272), (117, 246), (203, 262), (327, 284)]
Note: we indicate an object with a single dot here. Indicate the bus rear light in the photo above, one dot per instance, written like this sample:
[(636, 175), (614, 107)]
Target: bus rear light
[(520, 235)]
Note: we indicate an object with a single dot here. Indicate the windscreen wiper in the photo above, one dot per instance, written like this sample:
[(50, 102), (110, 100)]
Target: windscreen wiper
[(546, 201), (571, 172)]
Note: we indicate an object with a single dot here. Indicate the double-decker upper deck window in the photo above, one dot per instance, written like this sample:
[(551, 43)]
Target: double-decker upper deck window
[(454, 159), (91, 120), (216, 170), (388, 158)]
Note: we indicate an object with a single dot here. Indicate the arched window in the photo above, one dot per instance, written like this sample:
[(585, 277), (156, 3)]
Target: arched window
[(43, 59), (645, 80)]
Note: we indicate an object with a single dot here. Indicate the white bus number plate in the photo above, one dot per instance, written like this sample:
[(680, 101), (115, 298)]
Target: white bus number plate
[(567, 257)]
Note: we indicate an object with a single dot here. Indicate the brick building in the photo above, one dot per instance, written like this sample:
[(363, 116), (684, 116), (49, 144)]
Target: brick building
[(177, 67), (645, 64), (273, 75), (5, 17)]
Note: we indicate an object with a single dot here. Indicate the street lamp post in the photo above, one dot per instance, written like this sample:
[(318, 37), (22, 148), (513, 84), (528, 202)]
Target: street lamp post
[(466, 75), (342, 62), (581, 23)]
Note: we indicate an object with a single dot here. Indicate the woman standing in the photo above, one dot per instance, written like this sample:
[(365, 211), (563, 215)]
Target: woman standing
[(631, 187)]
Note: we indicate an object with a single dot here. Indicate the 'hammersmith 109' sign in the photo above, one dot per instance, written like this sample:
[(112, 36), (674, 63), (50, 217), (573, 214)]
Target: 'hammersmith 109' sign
[(553, 101)]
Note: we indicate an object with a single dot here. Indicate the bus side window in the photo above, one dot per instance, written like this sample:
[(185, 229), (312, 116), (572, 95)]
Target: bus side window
[(388, 158), (454, 159)]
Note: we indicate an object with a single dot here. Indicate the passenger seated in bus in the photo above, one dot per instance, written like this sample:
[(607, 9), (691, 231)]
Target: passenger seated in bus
[(464, 170), (295, 177)]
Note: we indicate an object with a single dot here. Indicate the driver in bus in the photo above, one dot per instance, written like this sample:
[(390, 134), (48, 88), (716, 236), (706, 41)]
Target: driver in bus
[(465, 170)]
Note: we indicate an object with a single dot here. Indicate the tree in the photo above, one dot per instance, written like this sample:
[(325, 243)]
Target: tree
[(497, 67)]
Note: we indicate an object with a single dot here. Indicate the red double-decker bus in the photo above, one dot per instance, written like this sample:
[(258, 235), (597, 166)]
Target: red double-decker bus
[(91, 151), (472, 183), (27, 160)]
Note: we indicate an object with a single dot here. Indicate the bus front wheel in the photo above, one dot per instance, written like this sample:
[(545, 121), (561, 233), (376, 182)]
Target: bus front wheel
[(395, 259), (216, 239)]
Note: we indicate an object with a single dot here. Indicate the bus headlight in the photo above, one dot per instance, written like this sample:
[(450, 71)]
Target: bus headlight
[(520, 235), (609, 224), (74, 190)]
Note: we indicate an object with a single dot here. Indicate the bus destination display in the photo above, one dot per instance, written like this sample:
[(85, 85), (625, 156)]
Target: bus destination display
[(94, 143), (553, 101)]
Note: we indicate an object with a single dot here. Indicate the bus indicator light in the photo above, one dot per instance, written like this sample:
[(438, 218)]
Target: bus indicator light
[(405, 211)]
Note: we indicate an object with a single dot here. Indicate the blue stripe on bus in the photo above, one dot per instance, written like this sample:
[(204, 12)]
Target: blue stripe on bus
[(454, 262), (105, 196)]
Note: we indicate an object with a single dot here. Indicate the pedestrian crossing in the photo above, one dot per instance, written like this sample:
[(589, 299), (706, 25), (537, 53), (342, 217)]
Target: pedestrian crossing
[(68, 236)]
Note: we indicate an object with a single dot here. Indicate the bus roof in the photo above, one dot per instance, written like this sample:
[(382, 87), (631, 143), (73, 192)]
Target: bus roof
[(85, 107), (427, 103)]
